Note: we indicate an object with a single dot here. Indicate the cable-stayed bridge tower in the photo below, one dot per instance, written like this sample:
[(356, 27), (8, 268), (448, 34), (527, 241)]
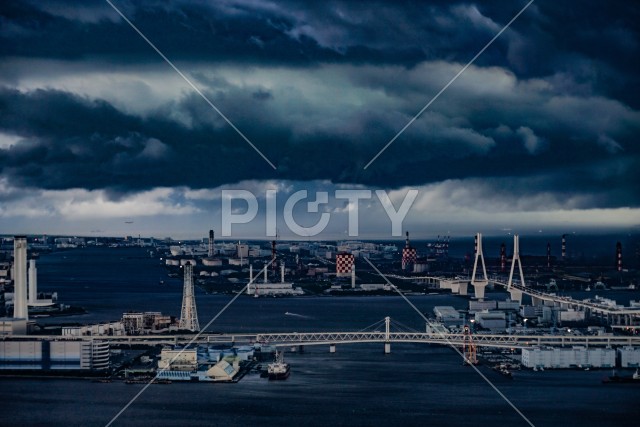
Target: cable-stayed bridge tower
[(189, 314), (516, 294), (479, 285)]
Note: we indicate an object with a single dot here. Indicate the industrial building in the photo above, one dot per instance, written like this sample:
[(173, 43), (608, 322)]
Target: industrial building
[(178, 359), (494, 320), (481, 305), (137, 323), (629, 357), (447, 315), (267, 288), (11, 326), (95, 330), (202, 363), (563, 358), (54, 355)]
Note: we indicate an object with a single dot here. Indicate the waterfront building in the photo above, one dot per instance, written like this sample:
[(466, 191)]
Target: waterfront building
[(54, 355), (564, 358)]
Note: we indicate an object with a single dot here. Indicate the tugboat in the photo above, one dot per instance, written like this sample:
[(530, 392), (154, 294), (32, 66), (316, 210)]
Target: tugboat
[(503, 369), (278, 370)]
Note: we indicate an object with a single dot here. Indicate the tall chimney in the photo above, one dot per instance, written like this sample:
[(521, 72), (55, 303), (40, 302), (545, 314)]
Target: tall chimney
[(20, 308), (548, 255), (564, 247), (503, 257), (210, 253), (33, 282), (353, 275)]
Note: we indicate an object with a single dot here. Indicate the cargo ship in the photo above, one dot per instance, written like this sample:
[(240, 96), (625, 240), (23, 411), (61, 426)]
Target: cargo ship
[(279, 369)]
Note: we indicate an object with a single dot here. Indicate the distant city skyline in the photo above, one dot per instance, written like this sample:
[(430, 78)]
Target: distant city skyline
[(100, 136)]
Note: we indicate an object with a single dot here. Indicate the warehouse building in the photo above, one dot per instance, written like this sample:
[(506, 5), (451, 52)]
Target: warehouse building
[(54, 355), (564, 358), (629, 357)]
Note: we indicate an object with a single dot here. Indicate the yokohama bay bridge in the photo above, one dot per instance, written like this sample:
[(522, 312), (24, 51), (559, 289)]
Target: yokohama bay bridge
[(385, 334)]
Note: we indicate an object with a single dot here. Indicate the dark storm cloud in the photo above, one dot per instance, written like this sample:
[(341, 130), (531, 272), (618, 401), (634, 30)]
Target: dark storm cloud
[(72, 142), (596, 44), (90, 144), (576, 133)]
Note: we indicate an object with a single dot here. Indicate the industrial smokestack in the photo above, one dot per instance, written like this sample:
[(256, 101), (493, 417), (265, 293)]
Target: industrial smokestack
[(210, 253), (503, 257), (408, 254), (619, 256), (548, 255), (33, 282), (250, 279), (406, 242), (446, 246), (282, 273), (564, 247), (20, 308), (353, 276), (273, 258)]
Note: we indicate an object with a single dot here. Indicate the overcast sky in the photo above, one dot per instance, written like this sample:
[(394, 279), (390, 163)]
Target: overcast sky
[(100, 136)]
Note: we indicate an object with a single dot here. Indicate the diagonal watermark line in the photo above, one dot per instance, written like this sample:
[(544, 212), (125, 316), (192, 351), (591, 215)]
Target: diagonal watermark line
[(146, 386), (186, 79), (395, 288), (447, 85)]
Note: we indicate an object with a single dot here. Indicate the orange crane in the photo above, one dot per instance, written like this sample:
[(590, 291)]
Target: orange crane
[(468, 347)]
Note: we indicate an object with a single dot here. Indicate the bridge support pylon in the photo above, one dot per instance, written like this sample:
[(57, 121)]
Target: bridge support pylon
[(516, 294), (387, 335), (479, 285)]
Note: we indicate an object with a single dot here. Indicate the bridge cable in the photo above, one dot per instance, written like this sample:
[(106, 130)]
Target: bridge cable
[(430, 323), (373, 325)]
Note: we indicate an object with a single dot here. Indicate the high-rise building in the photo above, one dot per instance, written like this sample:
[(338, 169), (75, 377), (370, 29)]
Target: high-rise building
[(20, 307)]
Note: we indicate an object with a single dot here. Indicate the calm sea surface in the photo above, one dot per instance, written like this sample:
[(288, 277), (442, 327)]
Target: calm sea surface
[(357, 386)]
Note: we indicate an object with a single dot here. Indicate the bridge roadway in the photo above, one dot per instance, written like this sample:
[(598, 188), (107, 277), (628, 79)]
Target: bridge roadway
[(593, 306), (568, 301), (332, 338)]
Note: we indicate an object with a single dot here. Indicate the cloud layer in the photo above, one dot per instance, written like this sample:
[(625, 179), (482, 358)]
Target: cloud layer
[(547, 115)]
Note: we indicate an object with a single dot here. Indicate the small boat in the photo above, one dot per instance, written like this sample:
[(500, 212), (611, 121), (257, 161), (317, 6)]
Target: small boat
[(503, 370), (279, 369)]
